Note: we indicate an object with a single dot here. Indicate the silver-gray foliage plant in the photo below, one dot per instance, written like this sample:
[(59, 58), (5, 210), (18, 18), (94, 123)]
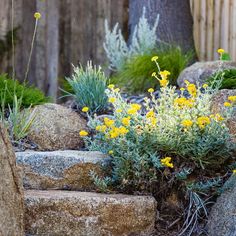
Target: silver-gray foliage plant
[(143, 41)]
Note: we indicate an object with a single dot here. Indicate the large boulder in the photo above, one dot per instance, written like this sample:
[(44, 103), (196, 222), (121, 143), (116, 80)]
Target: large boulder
[(222, 219), (11, 191), (217, 106), (60, 169), (56, 127), (199, 72), (71, 213)]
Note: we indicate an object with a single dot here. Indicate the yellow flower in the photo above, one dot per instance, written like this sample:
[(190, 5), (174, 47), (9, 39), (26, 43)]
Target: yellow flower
[(164, 74), (85, 109), (101, 128), (167, 162), (110, 152), (117, 90), (205, 86), (151, 90), (182, 89), (112, 100), (108, 122), (232, 98), (163, 82), (154, 74), (151, 113), (135, 106), (111, 86), (192, 89), (123, 130), (83, 133), (126, 121), (234, 172), (218, 117), (132, 111), (220, 50), (118, 110), (37, 15), (227, 104), (203, 121), (187, 123), (114, 134), (154, 58)]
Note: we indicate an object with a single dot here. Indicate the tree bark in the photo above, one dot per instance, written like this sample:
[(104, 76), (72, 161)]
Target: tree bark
[(11, 190), (175, 22)]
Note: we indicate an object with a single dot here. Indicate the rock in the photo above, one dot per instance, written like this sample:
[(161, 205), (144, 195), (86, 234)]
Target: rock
[(199, 72), (11, 191), (222, 219), (218, 107), (56, 128), (71, 213), (60, 169)]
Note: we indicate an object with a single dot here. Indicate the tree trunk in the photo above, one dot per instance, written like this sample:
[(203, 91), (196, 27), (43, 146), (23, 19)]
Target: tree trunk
[(175, 22), (11, 193)]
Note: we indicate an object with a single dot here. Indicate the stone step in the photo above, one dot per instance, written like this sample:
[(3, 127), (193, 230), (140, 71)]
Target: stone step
[(62, 213), (68, 170)]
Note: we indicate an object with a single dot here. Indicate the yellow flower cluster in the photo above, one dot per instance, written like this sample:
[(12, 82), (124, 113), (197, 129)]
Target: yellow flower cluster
[(108, 122), (117, 131), (167, 162), (83, 133), (154, 58), (126, 121), (85, 109), (101, 128), (134, 108), (202, 121), (220, 50), (187, 123), (191, 88), (151, 90), (110, 130), (37, 15), (232, 100), (183, 102)]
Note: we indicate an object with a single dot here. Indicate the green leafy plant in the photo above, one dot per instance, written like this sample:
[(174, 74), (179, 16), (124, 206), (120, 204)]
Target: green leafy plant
[(89, 85), (226, 78), (136, 75), (15, 119), (28, 95)]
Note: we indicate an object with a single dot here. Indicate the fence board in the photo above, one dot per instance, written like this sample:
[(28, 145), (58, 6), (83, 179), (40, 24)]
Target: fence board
[(214, 27)]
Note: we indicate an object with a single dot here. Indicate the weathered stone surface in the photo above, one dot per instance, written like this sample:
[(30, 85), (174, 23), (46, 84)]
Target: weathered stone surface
[(200, 71), (56, 127), (60, 169), (62, 213), (218, 107), (11, 191), (222, 220)]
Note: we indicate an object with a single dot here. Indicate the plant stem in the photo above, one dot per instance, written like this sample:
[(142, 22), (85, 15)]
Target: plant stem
[(12, 39), (31, 49)]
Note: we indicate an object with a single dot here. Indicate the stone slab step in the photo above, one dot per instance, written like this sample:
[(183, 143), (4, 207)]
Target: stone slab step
[(62, 213), (68, 170)]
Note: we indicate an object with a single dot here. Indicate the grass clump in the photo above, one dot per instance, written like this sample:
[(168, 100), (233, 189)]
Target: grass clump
[(28, 95), (136, 75), (88, 86)]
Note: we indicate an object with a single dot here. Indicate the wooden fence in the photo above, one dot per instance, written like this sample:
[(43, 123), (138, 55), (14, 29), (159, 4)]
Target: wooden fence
[(214, 27), (69, 32)]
